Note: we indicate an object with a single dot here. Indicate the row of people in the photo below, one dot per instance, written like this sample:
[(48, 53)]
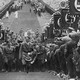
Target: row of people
[(61, 56), (54, 56)]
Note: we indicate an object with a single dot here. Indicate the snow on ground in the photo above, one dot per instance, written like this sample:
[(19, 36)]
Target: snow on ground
[(3, 3), (55, 4)]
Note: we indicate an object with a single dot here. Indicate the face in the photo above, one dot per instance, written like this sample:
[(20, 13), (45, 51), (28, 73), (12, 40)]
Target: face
[(27, 39), (65, 50), (37, 47), (9, 44)]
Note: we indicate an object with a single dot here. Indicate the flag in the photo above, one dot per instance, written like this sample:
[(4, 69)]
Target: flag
[(74, 6), (64, 24), (75, 23), (56, 17)]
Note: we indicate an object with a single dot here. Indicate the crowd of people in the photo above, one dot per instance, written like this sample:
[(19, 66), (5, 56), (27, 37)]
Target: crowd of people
[(25, 51)]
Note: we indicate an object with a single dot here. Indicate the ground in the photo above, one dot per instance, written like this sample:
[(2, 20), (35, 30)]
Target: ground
[(29, 76), (26, 20)]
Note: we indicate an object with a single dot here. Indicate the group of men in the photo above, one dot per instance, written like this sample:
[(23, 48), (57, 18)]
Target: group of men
[(17, 53), (38, 7), (25, 55)]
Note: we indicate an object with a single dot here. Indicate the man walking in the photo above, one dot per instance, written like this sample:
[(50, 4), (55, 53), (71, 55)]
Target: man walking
[(30, 10)]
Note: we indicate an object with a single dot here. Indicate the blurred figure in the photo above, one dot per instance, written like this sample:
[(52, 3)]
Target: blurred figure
[(16, 14), (8, 56), (30, 10), (24, 54), (7, 14)]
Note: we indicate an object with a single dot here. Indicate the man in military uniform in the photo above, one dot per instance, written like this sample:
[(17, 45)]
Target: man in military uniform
[(41, 57), (1, 58), (18, 65), (8, 54), (24, 53)]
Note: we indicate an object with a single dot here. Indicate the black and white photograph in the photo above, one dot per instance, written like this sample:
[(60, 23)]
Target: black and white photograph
[(39, 39)]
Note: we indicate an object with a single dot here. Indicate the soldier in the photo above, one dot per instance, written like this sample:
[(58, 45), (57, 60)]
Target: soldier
[(70, 46), (1, 58), (41, 58), (25, 1), (39, 12), (30, 10), (8, 53), (18, 64), (24, 52)]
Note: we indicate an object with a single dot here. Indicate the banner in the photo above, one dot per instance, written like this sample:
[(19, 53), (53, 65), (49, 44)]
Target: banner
[(75, 23), (74, 6), (68, 20), (64, 20), (56, 21)]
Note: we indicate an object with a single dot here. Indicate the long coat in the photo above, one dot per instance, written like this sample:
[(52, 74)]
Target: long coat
[(24, 49)]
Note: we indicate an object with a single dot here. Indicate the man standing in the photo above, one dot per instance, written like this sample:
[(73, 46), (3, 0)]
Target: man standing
[(8, 52), (7, 14), (30, 10), (18, 64), (16, 14), (24, 54)]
